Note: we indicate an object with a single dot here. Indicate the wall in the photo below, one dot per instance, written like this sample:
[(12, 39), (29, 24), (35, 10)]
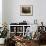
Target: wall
[(12, 11), (0, 13), (4, 11)]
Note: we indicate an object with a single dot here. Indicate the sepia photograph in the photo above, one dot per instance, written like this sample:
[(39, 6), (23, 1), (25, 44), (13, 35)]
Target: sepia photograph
[(22, 22), (26, 10)]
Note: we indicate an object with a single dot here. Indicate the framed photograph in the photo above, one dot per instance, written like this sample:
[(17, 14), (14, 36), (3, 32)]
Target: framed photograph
[(26, 10)]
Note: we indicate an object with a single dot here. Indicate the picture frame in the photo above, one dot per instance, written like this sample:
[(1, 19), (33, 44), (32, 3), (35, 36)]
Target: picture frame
[(26, 10)]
